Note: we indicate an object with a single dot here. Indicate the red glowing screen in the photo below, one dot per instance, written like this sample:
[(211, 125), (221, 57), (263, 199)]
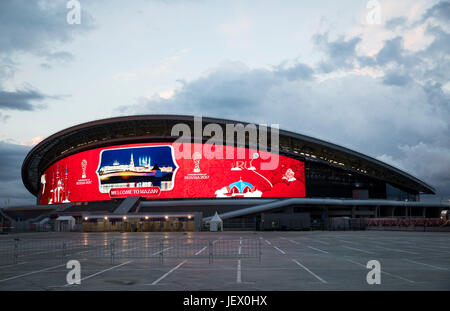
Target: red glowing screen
[(162, 170)]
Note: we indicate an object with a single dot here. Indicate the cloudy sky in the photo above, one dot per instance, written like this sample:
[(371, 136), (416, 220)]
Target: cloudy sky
[(336, 70)]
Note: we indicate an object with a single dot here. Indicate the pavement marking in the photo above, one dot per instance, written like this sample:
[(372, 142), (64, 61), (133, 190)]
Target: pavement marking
[(397, 250), (292, 241), (268, 242), (323, 242), (382, 271), (162, 250), (200, 251), (428, 265), (100, 272), (214, 242), (281, 251), (312, 273), (170, 271), (359, 250), (32, 272), (318, 249), (238, 277)]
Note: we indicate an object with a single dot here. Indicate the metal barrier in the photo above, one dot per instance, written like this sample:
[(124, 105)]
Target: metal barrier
[(13, 251)]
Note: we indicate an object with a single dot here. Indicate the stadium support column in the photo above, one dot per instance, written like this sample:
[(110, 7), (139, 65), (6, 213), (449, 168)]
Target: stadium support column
[(198, 221)]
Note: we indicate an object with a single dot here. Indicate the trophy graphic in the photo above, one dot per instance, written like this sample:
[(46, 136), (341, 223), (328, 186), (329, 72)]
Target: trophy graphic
[(83, 168), (43, 183), (196, 157)]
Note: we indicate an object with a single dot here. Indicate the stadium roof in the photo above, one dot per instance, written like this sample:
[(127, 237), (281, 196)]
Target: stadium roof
[(145, 128)]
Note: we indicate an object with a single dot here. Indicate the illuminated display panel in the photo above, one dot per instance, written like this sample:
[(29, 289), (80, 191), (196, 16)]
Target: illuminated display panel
[(159, 171)]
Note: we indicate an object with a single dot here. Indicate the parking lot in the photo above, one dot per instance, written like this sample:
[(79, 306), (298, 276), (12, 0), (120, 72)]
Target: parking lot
[(317, 260)]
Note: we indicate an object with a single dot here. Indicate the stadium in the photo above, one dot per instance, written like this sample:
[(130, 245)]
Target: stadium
[(129, 174)]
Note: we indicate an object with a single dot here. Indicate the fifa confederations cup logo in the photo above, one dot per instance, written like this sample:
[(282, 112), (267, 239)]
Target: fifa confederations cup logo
[(83, 168), (196, 157)]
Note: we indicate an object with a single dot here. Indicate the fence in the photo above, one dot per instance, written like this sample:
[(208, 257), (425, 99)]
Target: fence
[(13, 251), (404, 222)]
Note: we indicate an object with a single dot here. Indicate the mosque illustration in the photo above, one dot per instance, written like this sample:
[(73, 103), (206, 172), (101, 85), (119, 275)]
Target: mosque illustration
[(238, 189)]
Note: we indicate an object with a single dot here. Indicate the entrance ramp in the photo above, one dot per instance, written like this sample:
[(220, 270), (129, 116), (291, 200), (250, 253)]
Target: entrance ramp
[(127, 205)]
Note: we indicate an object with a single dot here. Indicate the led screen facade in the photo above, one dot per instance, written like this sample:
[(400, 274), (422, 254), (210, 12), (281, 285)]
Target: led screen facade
[(163, 171)]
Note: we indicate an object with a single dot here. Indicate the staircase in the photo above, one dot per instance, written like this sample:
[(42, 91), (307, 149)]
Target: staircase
[(127, 205)]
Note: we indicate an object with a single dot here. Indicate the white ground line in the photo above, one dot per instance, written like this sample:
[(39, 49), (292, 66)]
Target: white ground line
[(359, 250), (161, 251), (428, 249), (326, 243), (171, 270), (238, 277), (382, 271), (428, 265), (126, 250), (38, 253), (100, 272), (397, 250), (268, 242), (318, 249), (281, 251), (312, 273), (32, 272), (292, 241), (200, 251)]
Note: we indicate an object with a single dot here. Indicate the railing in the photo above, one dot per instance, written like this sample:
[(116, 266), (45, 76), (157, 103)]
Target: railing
[(13, 251)]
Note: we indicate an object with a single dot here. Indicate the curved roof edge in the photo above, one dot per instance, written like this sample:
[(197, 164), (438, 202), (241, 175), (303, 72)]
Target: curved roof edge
[(302, 137)]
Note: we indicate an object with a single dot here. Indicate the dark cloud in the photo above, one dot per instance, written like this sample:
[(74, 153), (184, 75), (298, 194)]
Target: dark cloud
[(340, 53), (11, 157), (391, 51), (395, 22), (32, 26), (440, 11), (24, 100), (296, 72), (11, 186), (393, 78)]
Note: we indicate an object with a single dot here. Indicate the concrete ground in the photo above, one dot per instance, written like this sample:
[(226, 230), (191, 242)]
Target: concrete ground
[(317, 260)]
